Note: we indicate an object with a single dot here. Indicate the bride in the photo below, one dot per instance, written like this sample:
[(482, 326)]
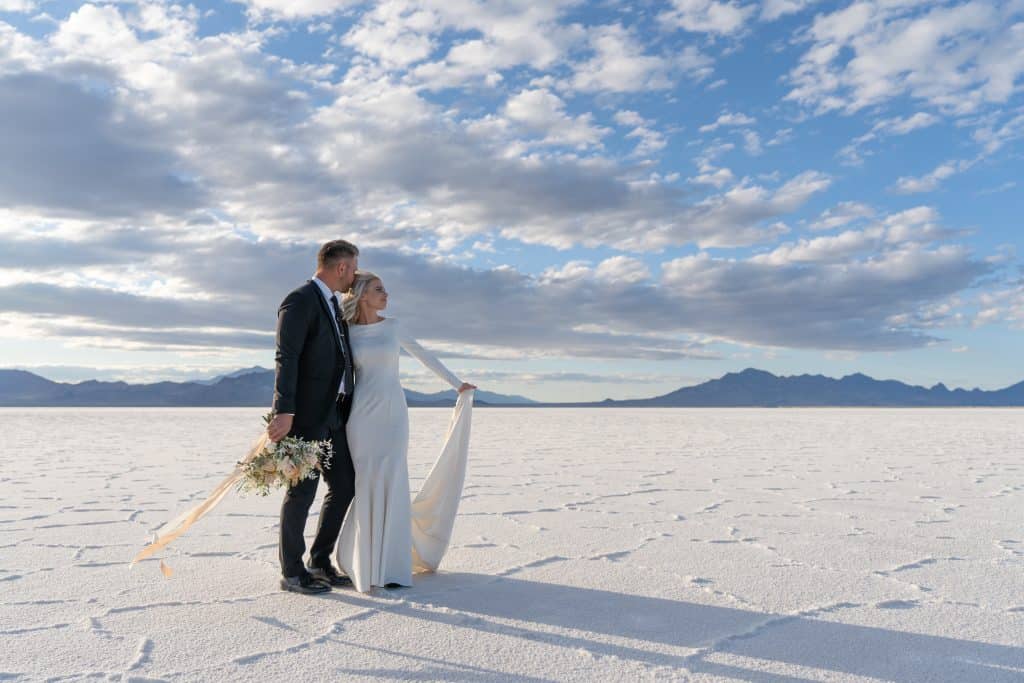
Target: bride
[(384, 534)]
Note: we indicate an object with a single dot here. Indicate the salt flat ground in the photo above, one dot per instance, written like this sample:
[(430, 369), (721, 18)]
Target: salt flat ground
[(592, 545)]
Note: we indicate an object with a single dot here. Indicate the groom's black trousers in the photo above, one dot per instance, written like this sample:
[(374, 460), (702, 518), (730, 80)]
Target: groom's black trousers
[(340, 477)]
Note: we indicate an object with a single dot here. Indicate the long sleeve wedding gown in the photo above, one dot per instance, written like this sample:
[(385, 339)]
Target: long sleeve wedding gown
[(385, 536)]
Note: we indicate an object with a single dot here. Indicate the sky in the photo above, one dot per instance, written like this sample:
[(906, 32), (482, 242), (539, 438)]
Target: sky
[(565, 200)]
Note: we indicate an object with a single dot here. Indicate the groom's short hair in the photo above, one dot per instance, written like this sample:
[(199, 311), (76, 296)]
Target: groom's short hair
[(334, 250)]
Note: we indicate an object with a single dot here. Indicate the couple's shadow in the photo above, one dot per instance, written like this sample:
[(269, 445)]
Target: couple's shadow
[(662, 632)]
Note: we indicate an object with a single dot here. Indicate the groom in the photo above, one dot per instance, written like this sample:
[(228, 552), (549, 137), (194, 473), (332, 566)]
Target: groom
[(312, 397)]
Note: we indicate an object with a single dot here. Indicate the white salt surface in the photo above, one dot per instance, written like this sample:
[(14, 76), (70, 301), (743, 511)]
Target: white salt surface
[(592, 545)]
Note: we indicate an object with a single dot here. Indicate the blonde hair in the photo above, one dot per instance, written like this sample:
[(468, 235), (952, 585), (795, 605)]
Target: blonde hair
[(350, 299)]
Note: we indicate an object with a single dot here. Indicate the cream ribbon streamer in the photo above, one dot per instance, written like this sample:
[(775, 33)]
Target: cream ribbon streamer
[(180, 524)]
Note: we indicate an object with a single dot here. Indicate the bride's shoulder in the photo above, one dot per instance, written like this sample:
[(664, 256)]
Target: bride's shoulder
[(380, 323)]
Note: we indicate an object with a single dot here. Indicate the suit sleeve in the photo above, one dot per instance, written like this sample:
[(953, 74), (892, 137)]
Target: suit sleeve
[(292, 326)]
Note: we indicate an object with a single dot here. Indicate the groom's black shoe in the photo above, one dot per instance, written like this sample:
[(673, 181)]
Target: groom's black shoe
[(304, 583), (329, 575)]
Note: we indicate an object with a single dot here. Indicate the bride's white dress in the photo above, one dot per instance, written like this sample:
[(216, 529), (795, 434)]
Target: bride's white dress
[(386, 536)]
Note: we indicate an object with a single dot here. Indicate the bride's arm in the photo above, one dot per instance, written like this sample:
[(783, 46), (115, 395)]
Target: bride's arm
[(428, 359)]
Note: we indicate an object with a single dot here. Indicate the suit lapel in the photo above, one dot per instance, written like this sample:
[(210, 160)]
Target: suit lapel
[(326, 309)]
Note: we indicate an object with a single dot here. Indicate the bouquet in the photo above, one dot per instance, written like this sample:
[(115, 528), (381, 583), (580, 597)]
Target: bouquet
[(284, 463)]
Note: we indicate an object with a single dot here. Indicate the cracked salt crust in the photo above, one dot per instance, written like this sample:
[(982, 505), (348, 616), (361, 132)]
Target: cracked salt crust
[(697, 545)]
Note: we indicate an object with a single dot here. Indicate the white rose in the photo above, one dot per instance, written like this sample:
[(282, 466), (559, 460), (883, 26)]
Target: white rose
[(289, 470)]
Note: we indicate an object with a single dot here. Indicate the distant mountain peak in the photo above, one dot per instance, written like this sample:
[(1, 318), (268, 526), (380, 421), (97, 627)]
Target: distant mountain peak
[(748, 374), (22, 374), (754, 372), (232, 375)]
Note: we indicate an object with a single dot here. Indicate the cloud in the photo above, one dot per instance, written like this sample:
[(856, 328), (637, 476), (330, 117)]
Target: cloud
[(71, 152), (834, 249), (215, 166), (956, 58), (650, 139), (28, 244), (1003, 187), (994, 137), (481, 375), (1002, 304), (234, 116), (620, 65), (844, 305), (238, 285), (931, 180), (397, 34), (18, 52), (751, 139), (752, 142), (839, 299), (368, 153), (378, 155), (842, 214), (159, 339), (134, 374), (296, 9), (17, 5), (490, 38), (853, 153), (622, 270), (112, 308), (470, 184), (749, 205), (727, 119), (903, 125), (542, 111), (707, 16), (710, 175), (918, 225), (781, 137), (775, 9)]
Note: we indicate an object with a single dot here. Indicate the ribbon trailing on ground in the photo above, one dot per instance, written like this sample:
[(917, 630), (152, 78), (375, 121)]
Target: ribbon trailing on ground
[(180, 524)]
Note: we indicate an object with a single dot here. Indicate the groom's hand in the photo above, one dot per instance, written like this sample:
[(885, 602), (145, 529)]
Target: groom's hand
[(466, 386), (279, 427)]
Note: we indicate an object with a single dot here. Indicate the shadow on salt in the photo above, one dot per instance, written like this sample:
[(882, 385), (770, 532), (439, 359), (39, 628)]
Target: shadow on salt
[(721, 632)]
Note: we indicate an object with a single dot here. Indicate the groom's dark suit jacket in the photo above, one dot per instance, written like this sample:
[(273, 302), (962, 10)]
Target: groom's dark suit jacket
[(309, 363)]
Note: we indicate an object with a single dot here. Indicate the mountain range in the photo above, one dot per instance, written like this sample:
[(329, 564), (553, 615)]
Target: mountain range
[(749, 388), (247, 387), (757, 388)]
